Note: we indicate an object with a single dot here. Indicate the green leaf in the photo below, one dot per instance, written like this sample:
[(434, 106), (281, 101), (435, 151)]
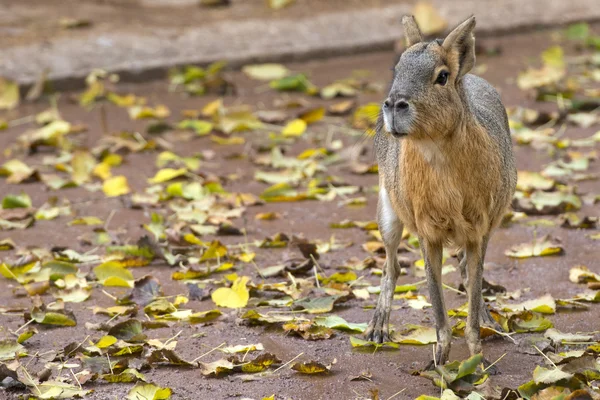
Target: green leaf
[(527, 321), (337, 322), (543, 375), (16, 201), (317, 305), (298, 83), (469, 366), (112, 274), (9, 349), (201, 128), (52, 318), (26, 335), (129, 331), (578, 31)]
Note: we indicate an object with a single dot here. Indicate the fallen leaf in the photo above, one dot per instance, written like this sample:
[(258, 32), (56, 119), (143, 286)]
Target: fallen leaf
[(311, 367), (582, 274), (115, 186), (278, 4), (544, 246), (9, 94), (266, 72), (429, 19), (294, 128), (148, 391), (235, 297), (337, 322)]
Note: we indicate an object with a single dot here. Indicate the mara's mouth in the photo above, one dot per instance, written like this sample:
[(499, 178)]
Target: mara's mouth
[(397, 134)]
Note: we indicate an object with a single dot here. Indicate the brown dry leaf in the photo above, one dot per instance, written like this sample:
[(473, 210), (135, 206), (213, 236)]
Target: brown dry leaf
[(341, 108), (308, 330), (311, 367)]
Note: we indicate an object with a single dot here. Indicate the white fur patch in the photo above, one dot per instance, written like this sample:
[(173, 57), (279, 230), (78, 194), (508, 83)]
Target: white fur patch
[(388, 220), (431, 152), (386, 122)]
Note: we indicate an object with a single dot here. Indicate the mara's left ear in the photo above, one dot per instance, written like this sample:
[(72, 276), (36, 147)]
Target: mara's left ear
[(460, 46)]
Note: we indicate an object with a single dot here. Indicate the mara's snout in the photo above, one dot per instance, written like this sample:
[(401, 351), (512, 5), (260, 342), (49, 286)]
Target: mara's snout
[(397, 115)]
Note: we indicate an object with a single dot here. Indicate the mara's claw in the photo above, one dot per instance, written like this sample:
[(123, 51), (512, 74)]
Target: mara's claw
[(378, 330)]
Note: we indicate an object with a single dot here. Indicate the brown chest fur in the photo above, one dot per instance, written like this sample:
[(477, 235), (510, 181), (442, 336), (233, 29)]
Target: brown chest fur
[(446, 194)]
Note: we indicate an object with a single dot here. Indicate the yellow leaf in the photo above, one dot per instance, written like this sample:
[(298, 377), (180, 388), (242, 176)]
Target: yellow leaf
[(115, 186), (166, 174), (102, 171), (112, 274), (294, 128), (9, 94), (212, 108), (83, 164), (246, 257), (265, 72), (429, 19), (235, 297), (228, 141), (314, 115), (143, 112), (106, 341)]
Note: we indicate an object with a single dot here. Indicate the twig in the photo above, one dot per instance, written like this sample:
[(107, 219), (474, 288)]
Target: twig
[(492, 364), (174, 337), (24, 325), (452, 289), (76, 380), (208, 352), (545, 356), (288, 362), (396, 394)]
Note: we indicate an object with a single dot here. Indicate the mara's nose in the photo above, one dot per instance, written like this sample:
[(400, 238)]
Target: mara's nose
[(399, 105)]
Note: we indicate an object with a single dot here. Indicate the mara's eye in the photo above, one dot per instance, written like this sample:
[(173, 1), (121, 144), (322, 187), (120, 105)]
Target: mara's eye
[(442, 78)]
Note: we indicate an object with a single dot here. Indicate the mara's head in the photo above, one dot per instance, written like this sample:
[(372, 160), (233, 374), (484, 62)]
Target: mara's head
[(424, 98)]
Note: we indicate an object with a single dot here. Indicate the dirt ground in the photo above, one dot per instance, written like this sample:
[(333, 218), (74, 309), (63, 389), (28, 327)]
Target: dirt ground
[(391, 370)]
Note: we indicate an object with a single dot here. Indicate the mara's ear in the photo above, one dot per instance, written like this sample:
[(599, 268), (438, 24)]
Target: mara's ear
[(411, 30), (460, 46)]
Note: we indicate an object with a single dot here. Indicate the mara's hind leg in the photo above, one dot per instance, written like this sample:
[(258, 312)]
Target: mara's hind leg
[(432, 254), (485, 317), (391, 233)]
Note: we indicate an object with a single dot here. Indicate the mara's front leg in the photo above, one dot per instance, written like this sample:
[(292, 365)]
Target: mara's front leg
[(391, 233), (432, 254)]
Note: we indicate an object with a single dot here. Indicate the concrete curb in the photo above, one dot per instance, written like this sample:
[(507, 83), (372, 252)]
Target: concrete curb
[(255, 40)]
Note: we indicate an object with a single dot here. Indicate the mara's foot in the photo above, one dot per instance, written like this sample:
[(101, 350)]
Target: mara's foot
[(487, 320), (378, 330)]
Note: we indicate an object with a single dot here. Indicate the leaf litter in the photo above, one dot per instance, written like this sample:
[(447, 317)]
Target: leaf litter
[(198, 226)]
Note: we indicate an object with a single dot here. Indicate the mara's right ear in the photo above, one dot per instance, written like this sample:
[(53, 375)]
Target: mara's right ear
[(412, 33)]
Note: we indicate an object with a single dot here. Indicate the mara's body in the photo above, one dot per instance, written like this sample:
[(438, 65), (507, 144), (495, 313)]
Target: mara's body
[(459, 187), (446, 172)]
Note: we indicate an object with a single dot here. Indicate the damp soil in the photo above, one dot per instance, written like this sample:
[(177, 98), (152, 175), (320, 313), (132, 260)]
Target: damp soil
[(392, 371)]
